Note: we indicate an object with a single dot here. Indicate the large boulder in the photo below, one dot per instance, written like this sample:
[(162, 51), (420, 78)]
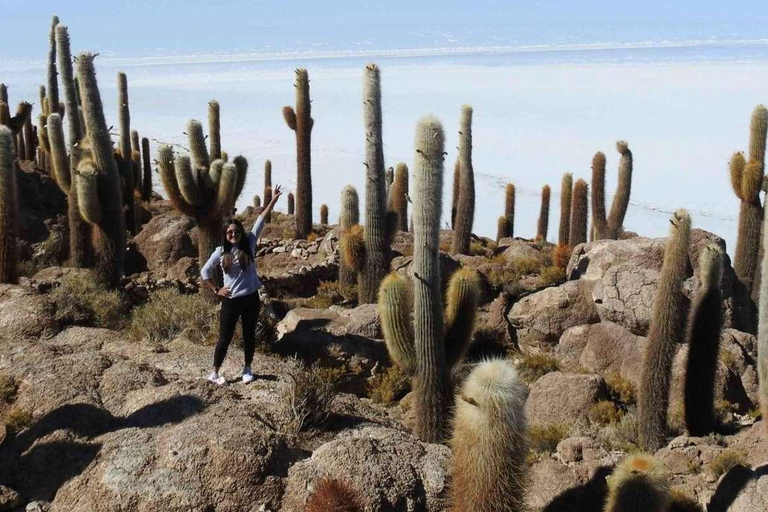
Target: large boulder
[(25, 315), (515, 249), (563, 397), (540, 318), (165, 239), (753, 497), (390, 469)]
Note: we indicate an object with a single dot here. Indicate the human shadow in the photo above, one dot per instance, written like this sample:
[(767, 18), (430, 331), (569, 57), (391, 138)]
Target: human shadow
[(22, 463), (731, 486), (588, 497)]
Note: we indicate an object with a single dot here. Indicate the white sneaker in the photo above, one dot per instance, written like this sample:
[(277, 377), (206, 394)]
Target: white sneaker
[(248, 375), (217, 379)]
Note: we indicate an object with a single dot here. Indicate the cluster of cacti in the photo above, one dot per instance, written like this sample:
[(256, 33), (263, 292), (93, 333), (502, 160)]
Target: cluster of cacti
[(300, 121), (371, 261), (291, 203), (436, 341), (398, 196), (98, 182), (562, 251), (543, 224), (612, 226), (465, 207), (489, 440), (323, 214), (578, 224), (332, 495), (747, 181), (126, 153), (703, 339), (203, 189), (665, 331), (9, 208), (349, 218)]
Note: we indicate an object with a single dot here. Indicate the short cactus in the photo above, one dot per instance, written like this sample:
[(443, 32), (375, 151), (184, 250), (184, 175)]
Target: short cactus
[(399, 196), (324, 214), (98, 182), (747, 180), (489, 441), (300, 121), (267, 175), (578, 227), (639, 484), (543, 225), (291, 203), (257, 201), (334, 496), (465, 208), (611, 227), (502, 228), (703, 338), (9, 209), (663, 337), (350, 216)]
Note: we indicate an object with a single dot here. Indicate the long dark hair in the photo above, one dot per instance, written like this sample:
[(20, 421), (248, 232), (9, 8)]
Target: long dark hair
[(242, 251)]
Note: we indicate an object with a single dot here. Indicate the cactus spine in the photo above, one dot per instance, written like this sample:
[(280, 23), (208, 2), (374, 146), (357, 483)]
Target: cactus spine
[(291, 203), (334, 496), (399, 196), (543, 225), (98, 185), (509, 209), (9, 208), (301, 122), (214, 129), (578, 230), (566, 194), (323, 214), (465, 209), (703, 338), (146, 180), (638, 484), (53, 85), (610, 228), (350, 216), (747, 180), (126, 153), (665, 331), (489, 440), (203, 190), (376, 250)]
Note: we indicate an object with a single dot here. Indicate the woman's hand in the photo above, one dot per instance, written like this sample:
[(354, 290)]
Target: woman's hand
[(224, 292), (276, 193)]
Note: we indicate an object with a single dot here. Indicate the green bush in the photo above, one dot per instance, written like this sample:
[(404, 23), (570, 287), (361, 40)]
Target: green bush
[(168, 313), (80, 300)]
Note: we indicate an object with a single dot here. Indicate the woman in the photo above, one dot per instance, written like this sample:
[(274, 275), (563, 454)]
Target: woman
[(239, 295)]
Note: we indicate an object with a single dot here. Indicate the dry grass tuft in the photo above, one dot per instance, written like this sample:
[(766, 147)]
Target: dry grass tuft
[(17, 420), (80, 300), (552, 275), (605, 413), (726, 461), (308, 398), (621, 390), (388, 386), (544, 439), (534, 366), (169, 312)]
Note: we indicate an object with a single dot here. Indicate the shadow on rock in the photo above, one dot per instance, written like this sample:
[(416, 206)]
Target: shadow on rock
[(588, 497), (731, 486)]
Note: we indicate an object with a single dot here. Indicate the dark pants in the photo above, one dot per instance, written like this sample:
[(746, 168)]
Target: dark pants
[(246, 307)]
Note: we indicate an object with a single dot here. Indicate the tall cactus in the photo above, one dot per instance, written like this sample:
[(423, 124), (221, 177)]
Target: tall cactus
[(611, 227), (291, 203), (214, 129), (578, 229), (267, 200), (98, 182), (663, 337), (703, 339), (53, 84), (428, 349), (509, 209), (301, 122), (324, 214), (146, 180), (126, 153), (203, 190), (762, 332), (747, 180), (489, 440), (455, 191), (566, 194), (399, 195), (9, 208), (350, 216), (543, 224), (465, 209)]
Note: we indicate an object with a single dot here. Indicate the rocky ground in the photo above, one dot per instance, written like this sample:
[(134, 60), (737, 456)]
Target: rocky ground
[(105, 419)]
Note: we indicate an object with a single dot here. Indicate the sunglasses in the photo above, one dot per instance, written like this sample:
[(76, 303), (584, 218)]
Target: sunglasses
[(233, 232)]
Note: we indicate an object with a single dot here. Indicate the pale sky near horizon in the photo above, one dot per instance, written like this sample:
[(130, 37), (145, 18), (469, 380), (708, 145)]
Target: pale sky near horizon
[(140, 27)]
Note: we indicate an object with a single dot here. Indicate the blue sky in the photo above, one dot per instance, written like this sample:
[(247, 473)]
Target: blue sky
[(136, 28)]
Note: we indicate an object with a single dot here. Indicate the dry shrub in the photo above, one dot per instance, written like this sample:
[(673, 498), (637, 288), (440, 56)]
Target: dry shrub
[(621, 390), (17, 420), (168, 313), (311, 237), (544, 439), (623, 435), (80, 300), (681, 502), (561, 255), (605, 413), (476, 249), (388, 386), (504, 271), (726, 461), (332, 495), (337, 291), (534, 366), (289, 233), (552, 275), (8, 389), (308, 398)]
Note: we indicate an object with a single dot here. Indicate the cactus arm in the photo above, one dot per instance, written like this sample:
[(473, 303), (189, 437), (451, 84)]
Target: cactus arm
[(465, 210), (461, 307), (187, 180), (214, 128), (88, 192), (197, 144), (67, 81), (58, 152), (623, 190), (213, 176), (225, 198), (598, 195), (736, 170), (53, 85), (395, 307), (543, 226), (241, 164), (290, 117), (168, 177), (566, 193), (757, 134)]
